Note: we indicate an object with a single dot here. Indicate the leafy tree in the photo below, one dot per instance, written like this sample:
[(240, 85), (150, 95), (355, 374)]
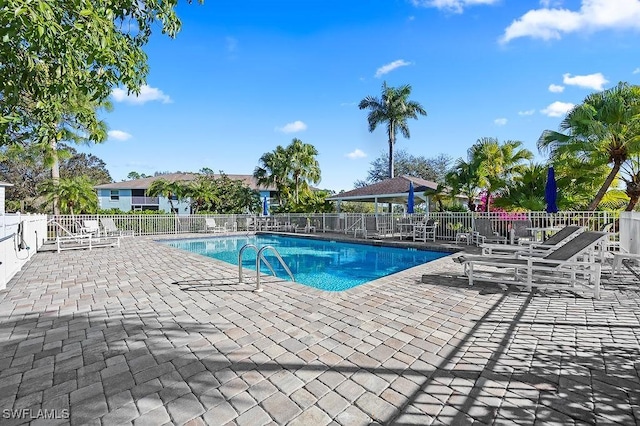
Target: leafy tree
[(221, 195), (135, 175), (79, 47), (603, 129), (76, 194), (24, 167), (404, 164), (394, 109), (81, 164)]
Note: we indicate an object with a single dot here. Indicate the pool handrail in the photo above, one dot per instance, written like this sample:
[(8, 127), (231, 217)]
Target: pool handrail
[(260, 256)]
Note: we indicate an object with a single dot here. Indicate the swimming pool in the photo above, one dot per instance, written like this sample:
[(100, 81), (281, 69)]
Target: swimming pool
[(323, 264)]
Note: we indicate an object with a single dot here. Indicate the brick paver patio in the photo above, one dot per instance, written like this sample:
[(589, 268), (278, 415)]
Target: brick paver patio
[(146, 334)]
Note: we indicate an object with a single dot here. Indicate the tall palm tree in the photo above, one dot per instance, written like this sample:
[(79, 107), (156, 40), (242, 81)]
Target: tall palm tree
[(392, 108), (604, 129), (303, 165), (630, 171)]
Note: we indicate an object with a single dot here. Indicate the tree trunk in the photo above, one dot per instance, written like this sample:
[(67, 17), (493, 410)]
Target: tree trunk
[(55, 176), (632, 203), (605, 186), (392, 142)]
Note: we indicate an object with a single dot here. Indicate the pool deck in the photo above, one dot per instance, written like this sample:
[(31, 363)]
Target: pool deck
[(146, 334)]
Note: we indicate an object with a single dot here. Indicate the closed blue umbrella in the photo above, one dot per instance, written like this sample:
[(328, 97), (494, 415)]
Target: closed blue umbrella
[(265, 207), (551, 192), (410, 199)]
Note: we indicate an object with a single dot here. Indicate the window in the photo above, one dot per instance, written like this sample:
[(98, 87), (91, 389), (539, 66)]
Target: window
[(115, 195)]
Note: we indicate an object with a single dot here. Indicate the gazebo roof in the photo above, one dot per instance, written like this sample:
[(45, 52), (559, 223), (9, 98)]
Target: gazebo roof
[(393, 190)]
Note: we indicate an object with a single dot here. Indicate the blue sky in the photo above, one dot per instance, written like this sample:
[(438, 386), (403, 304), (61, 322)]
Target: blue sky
[(244, 77)]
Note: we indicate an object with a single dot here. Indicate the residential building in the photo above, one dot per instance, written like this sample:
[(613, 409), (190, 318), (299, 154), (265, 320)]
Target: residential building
[(132, 194)]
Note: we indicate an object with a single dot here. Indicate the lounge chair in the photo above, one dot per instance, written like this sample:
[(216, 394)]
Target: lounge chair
[(212, 226), (109, 228), (559, 266), (423, 231), (551, 243), (85, 241), (483, 232)]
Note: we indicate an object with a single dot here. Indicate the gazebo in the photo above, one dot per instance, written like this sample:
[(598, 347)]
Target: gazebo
[(394, 190)]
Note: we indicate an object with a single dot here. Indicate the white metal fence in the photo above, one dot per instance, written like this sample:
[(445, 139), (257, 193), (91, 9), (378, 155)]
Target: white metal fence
[(20, 237), (449, 223)]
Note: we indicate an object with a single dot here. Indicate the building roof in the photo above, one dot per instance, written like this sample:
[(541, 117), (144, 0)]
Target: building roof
[(145, 183), (387, 191), (3, 184)]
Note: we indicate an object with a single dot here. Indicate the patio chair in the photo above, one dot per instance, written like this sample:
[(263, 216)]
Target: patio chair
[(423, 231), (212, 226), (521, 231), (109, 228), (371, 228), (90, 227), (571, 263), (483, 232), (551, 243)]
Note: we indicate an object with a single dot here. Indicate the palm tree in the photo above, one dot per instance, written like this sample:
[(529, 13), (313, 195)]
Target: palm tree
[(631, 177), (465, 179), (274, 170), (392, 108), (75, 195), (303, 165), (525, 191), (498, 163), (202, 193), (604, 129), (165, 188)]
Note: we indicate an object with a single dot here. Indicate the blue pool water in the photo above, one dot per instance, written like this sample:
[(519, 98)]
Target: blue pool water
[(327, 265)]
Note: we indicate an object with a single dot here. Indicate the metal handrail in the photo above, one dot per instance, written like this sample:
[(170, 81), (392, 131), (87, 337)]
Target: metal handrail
[(260, 256)]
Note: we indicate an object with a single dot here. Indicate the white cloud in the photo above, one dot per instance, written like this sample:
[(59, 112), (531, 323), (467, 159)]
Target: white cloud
[(119, 135), (147, 94), (357, 153), (556, 88), (500, 121), (526, 113), (594, 15), (636, 71), (557, 109), (385, 69), (592, 81), (296, 126), (455, 6)]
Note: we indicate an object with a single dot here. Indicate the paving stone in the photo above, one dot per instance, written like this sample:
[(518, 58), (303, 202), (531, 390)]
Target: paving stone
[(280, 408), (220, 414), (312, 416), (375, 407), (157, 416), (256, 416), (185, 408)]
